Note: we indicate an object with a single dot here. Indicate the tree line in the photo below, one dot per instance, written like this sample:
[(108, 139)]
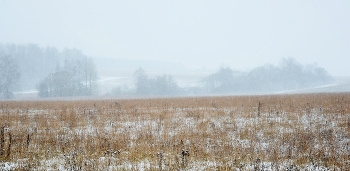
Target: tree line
[(75, 78), (50, 71), (68, 72), (288, 75)]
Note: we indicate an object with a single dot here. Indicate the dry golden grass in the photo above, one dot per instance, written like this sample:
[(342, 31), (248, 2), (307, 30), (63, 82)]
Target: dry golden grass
[(270, 132)]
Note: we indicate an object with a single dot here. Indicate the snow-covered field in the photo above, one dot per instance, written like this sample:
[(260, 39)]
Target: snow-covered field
[(270, 132)]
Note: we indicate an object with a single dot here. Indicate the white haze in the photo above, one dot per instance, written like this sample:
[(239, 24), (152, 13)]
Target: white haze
[(197, 34)]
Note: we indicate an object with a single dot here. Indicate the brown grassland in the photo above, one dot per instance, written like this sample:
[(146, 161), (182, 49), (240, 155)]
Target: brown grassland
[(267, 132)]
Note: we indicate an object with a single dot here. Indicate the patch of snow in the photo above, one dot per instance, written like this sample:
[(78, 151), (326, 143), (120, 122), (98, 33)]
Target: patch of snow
[(7, 166)]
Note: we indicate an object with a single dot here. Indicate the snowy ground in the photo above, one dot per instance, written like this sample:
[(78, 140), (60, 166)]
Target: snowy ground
[(304, 132)]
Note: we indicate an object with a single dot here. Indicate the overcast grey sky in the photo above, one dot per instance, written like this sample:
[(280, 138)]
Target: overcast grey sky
[(198, 33)]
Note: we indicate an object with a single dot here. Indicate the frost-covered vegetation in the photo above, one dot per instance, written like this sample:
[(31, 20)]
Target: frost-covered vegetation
[(280, 132)]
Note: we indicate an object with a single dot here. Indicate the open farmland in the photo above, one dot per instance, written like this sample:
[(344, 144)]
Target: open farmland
[(277, 132)]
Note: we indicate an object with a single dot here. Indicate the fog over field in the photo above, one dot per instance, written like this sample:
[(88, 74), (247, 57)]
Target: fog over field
[(175, 85), (176, 48)]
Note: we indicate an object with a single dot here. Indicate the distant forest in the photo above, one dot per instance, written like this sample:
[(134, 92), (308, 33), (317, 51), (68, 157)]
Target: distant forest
[(288, 75), (55, 73), (50, 71)]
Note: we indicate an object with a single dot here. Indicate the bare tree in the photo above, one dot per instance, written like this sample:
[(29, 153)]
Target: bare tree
[(90, 76), (143, 87), (77, 78), (9, 76)]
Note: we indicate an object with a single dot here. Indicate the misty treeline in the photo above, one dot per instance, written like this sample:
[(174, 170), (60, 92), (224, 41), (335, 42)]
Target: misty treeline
[(288, 75), (50, 71), (68, 72), (162, 85)]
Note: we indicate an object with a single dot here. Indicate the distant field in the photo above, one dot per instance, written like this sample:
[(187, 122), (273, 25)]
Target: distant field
[(338, 87), (270, 132)]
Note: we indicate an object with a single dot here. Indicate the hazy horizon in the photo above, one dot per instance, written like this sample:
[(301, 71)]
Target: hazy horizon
[(197, 34)]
